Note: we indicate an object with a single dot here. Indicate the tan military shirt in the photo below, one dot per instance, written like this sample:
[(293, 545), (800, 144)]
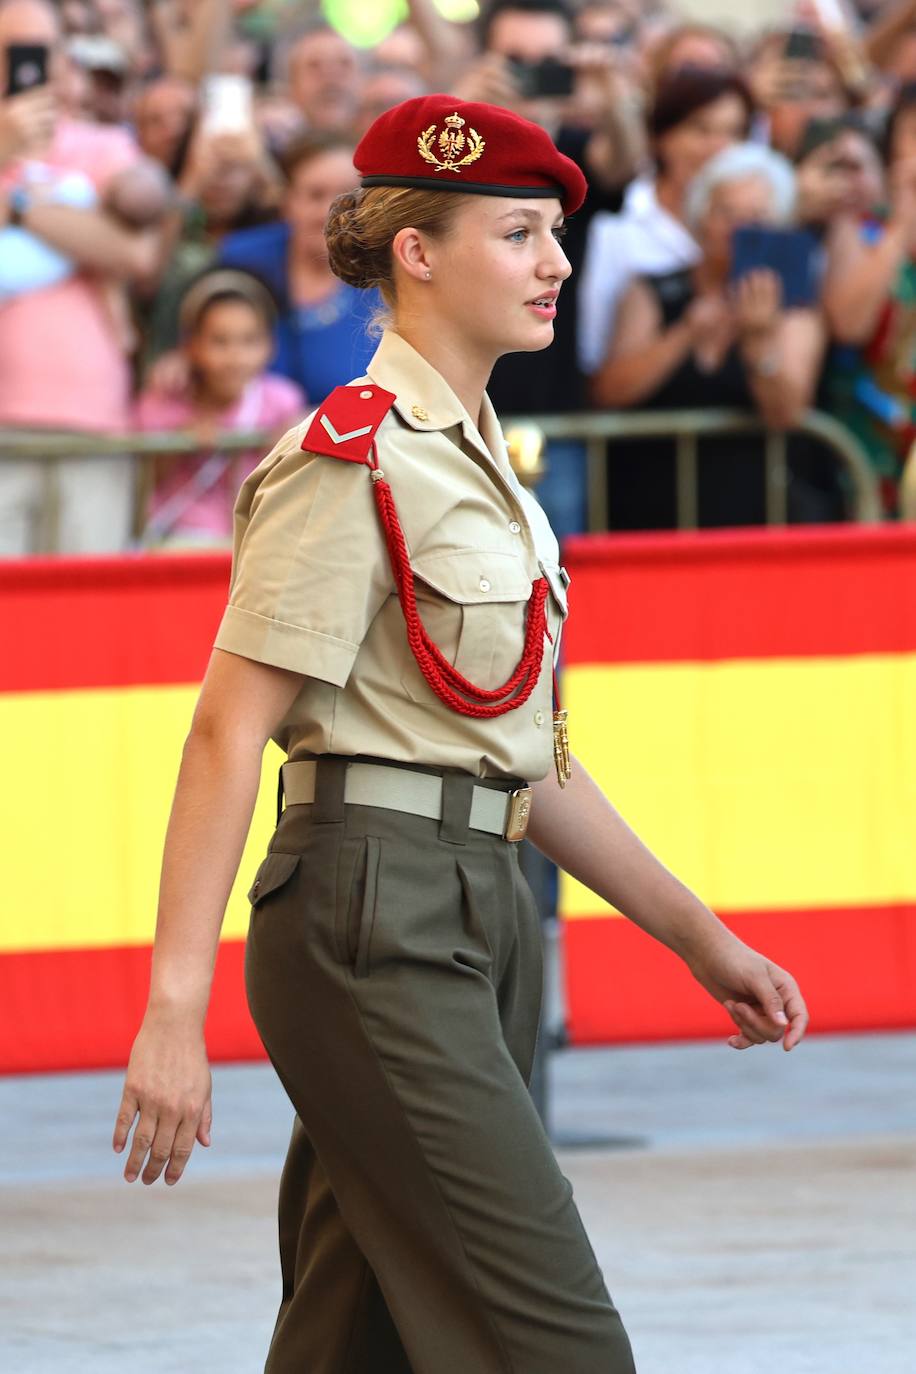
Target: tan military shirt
[(312, 587)]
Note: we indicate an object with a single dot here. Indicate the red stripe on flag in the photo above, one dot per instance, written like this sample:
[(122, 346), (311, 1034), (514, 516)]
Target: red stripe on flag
[(80, 1009), (856, 969), (805, 592), (67, 623)]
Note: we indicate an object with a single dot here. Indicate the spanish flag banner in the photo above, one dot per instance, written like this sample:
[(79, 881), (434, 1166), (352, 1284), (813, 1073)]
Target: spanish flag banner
[(748, 702), (101, 666)]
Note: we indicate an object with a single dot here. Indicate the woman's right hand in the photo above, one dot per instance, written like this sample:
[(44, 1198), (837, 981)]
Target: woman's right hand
[(167, 1091), (26, 123)]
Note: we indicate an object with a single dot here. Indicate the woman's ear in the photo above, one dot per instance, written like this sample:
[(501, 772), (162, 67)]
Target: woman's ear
[(409, 253)]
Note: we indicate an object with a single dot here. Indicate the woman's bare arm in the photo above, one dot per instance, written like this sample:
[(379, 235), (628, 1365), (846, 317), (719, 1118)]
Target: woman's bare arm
[(782, 350), (860, 277), (190, 36), (168, 1081), (643, 353), (786, 389), (582, 833)]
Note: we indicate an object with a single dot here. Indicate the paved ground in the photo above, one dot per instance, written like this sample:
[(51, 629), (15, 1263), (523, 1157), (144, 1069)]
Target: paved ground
[(761, 1217)]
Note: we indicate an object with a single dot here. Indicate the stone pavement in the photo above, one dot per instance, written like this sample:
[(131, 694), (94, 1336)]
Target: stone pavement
[(752, 1213)]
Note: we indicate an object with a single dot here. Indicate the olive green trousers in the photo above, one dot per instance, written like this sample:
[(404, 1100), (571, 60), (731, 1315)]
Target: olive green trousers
[(394, 972)]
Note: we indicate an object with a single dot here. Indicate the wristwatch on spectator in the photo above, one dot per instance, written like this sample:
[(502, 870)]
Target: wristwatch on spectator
[(18, 201)]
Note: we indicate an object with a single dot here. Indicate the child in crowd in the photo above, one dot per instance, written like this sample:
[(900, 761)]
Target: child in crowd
[(227, 319)]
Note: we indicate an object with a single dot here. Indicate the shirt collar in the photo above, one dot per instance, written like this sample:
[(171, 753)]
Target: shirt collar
[(425, 401), (424, 398)]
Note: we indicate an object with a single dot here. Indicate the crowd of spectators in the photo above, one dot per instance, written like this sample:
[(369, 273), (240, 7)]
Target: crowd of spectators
[(166, 168)]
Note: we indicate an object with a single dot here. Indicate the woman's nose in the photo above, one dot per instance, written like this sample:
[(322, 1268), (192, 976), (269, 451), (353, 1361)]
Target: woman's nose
[(561, 267)]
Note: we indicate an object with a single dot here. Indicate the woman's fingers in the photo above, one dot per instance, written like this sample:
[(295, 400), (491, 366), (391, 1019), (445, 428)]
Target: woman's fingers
[(181, 1150), (161, 1148), (127, 1113), (797, 1013), (144, 1135), (206, 1122), (162, 1140), (751, 1024)]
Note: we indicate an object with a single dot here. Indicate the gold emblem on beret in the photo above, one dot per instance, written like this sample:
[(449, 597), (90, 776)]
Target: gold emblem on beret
[(451, 144)]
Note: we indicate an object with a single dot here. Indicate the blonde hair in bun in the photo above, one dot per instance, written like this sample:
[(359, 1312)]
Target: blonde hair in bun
[(362, 223)]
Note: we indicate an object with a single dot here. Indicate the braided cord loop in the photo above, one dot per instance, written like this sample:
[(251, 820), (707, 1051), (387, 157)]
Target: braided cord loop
[(449, 685)]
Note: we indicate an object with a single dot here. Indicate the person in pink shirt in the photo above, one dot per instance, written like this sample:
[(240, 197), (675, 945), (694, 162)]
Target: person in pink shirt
[(63, 364), (227, 323)]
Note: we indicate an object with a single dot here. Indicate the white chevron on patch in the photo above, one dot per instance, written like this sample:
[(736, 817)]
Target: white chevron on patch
[(342, 438)]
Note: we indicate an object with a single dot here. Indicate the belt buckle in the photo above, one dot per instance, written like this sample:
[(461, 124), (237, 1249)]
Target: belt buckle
[(519, 812)]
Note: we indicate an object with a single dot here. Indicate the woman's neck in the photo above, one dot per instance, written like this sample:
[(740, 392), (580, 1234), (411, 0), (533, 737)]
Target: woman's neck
[(466, 373), (670, 195)]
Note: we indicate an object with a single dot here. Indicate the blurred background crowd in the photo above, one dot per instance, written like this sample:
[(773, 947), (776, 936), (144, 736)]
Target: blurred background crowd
[(166, 167)]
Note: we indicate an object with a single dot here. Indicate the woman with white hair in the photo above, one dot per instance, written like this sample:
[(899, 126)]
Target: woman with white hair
[(695, 338)]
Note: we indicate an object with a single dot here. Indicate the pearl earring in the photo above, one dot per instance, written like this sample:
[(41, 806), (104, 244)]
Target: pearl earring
[(429, 276)]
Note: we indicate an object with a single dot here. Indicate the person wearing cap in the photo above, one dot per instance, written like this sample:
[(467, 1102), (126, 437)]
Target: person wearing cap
[(396, 603)]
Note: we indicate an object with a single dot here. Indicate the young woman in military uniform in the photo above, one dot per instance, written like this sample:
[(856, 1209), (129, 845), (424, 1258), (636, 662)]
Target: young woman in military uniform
[(395, 607)]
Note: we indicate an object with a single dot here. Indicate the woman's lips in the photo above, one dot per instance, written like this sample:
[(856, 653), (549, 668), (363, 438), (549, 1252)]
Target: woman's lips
[(546, 312)]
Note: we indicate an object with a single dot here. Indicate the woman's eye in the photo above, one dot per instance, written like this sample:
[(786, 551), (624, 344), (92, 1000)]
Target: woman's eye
[(521, 235)]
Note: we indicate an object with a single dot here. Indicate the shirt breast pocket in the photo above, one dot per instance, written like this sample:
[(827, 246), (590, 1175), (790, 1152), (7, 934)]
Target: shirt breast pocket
[(473, 603)]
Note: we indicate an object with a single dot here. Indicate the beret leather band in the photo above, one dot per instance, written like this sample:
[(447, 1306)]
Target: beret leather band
[(479, 188)]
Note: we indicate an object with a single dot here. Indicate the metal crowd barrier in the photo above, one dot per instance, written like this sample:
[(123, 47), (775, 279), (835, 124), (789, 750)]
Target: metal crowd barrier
[(49, 446), (686, 428), (526, 435)]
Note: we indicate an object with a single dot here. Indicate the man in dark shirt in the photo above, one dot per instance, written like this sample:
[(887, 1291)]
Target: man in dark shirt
[(598, 125)]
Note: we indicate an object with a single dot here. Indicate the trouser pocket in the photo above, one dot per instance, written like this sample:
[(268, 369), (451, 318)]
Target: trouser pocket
[(360, 904), (274, 873)]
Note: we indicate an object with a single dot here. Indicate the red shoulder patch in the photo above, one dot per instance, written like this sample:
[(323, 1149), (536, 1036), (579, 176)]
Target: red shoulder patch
[(345, 425)]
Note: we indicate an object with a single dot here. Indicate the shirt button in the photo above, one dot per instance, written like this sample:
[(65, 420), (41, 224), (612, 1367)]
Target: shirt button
[(484, 584), (515, 527), (365, 395), (539, 717)]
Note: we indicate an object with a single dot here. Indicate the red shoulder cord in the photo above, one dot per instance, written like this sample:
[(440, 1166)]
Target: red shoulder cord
[(441, 675)]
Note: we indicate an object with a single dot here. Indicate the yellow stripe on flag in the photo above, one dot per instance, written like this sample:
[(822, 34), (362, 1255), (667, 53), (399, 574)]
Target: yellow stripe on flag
[(763, 783), (90, 777)]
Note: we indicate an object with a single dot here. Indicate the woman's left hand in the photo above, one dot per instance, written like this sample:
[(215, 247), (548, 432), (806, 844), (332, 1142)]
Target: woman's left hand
[(762, 999), (758, 304)]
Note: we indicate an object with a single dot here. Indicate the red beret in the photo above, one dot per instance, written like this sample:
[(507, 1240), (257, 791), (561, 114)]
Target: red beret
[(441, 143)]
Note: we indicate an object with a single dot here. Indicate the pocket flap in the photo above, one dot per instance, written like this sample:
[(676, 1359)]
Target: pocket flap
[(474, 576), (274, 871)]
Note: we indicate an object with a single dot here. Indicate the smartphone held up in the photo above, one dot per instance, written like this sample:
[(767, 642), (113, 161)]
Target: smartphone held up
[(792, 254), (227, 103), (26, 67)]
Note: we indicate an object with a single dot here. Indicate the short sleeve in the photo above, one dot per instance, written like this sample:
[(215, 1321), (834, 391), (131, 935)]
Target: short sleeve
[(310, 566)]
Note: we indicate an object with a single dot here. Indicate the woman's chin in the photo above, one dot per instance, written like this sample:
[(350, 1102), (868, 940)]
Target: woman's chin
[(541, 337), (531, 340)]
